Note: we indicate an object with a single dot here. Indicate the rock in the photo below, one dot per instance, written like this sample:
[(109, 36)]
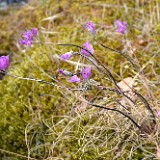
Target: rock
[(5, 3)]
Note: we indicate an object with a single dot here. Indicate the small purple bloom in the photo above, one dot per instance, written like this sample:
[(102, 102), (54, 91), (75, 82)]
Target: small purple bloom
[(89, 47), (25, 42), (122, 26), (28, 43), (4, 62), (86, 73), (158, 114), (74, 79), (66, 56), (28, 37), (90, 26)]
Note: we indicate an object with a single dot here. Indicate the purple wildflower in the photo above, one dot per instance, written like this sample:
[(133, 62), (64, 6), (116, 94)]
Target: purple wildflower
[(28, 37), (64, 72), (74, 79), (4, 62), (86, 73), (90, 26), (89, 47), (122, 26), (66, 56), (28, 43)]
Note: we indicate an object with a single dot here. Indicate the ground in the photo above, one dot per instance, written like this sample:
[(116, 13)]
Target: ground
[(40, 121)]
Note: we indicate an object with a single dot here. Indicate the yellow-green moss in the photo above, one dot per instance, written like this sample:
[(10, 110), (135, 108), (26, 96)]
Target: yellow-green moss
[(44, 115)]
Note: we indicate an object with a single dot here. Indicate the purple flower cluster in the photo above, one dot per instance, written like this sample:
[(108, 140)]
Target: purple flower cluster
[(88, 47), (4, 63), (90, 27), (28, 37), (85, 72), (74, 79), (87, 51), (122, 26)]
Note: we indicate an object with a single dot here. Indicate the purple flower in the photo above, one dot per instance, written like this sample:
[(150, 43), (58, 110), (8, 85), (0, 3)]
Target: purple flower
[(158, 114), (28, 37), (90, 26), (34, 32), (66, 56), (89, 47), (64, 72), (74, 79), (86, 73), (28, 43), (122, 26), (4, 62)]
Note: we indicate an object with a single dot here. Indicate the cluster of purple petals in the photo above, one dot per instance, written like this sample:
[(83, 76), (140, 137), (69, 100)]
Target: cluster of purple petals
[(4, 63), (85, 72), (28, 37), (90, 27), (75, 79), (88, 47), (66, 56), (122, 26)]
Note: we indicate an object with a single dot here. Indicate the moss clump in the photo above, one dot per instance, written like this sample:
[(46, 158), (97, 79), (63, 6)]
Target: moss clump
[(42, 121)]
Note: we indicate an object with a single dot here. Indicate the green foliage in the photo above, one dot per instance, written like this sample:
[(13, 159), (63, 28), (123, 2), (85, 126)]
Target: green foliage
[(41, 121)]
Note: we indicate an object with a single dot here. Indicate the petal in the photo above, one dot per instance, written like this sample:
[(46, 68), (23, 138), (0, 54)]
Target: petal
[(86, 73), (122, 26), (66, 56), (4, 62), (74, 79), (89, 47), (90, 26)]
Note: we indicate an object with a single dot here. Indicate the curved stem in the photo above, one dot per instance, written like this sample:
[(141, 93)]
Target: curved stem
[(116, 110)]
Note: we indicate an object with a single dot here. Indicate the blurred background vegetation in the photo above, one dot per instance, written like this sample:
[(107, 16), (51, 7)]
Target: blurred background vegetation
[(38, 121)]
